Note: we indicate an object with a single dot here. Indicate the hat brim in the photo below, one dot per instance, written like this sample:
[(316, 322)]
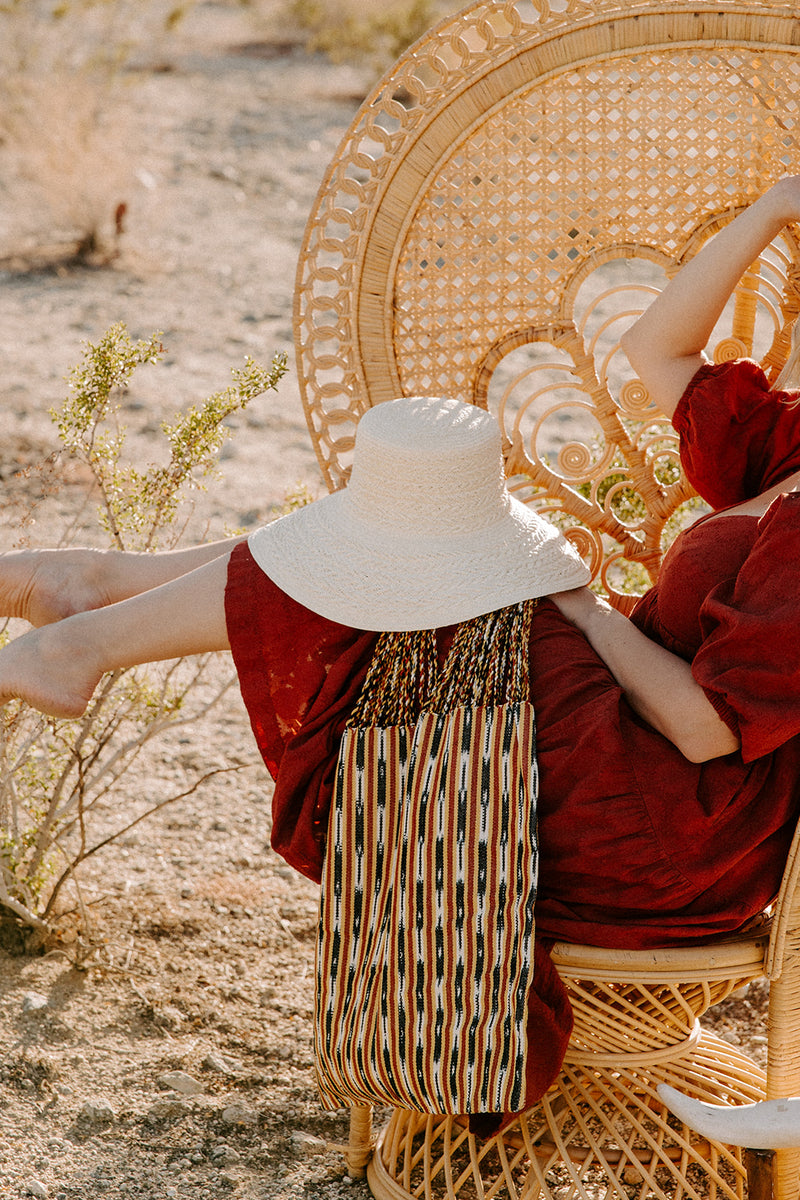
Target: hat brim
[(327, 559)]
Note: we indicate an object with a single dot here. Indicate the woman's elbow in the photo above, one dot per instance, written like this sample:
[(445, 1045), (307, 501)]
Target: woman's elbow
[(627, 343), (701, 744)]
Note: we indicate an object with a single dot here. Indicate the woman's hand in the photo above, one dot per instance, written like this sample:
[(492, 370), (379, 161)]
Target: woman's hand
[(665, 346), (659, 685)]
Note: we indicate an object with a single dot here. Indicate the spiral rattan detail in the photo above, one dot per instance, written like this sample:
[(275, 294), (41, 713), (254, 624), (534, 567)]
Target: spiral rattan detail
[(508, 196)]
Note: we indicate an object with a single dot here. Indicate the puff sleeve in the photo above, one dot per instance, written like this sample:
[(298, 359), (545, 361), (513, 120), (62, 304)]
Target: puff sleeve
[(299, 676), (737, 438), (749, 660)]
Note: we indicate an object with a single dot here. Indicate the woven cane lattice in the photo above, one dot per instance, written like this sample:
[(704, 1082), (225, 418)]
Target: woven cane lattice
[(598, 1133), (507, 199), (602, 1128)]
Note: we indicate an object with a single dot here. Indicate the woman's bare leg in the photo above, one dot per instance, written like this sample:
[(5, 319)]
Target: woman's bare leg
[(56, 668), (42, 586)]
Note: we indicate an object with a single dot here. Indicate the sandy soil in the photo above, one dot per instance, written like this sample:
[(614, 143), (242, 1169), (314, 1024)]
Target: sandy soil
[(202, 951)]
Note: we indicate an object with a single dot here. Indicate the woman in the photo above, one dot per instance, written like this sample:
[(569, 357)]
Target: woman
[(668, 744)]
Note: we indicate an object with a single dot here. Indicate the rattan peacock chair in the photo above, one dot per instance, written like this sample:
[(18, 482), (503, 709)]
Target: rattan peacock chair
[(505, 202)]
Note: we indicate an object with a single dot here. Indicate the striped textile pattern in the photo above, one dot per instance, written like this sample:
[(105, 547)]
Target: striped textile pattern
[(425, 946)]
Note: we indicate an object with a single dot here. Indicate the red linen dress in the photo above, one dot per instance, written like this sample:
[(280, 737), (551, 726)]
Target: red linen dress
[(639, 847)]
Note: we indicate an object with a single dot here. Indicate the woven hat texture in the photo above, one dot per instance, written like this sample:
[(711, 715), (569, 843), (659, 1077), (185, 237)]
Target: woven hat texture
[(425, 534)]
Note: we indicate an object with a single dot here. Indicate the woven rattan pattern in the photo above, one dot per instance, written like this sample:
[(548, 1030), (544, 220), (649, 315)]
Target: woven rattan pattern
[(602, 1125), (603, 1133), (505, 201)]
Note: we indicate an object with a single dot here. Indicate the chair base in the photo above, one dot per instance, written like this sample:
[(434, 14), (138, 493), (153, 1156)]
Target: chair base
[(598, 1132)]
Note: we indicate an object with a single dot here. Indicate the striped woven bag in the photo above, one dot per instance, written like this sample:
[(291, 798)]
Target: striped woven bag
[(425, 946)]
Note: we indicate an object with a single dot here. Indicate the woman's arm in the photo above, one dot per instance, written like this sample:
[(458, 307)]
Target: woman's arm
[(56, 668), (658, 685), (665, 346), (41, 586)]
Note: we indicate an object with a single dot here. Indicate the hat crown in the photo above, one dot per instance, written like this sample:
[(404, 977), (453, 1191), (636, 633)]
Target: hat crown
[(426, 534), (427, 462)]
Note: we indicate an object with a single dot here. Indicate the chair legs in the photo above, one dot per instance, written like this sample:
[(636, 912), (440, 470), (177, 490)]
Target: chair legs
[(786, 1174), (760, 1167), (361, 1145), (599, 1131)]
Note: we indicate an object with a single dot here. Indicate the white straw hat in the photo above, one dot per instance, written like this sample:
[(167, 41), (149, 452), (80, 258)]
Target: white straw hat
[(425, 534)]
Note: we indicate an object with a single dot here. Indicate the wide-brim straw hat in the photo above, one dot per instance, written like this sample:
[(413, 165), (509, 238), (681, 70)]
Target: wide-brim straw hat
[(425, 534)]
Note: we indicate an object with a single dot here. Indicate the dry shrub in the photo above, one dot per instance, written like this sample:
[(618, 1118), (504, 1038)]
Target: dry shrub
[(58, 777), (66, 132), (67, 150), (371, 31)]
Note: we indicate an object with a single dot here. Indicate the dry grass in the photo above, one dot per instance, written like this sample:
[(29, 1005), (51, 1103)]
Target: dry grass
[(368, 31), (67, 143), (70, 146)]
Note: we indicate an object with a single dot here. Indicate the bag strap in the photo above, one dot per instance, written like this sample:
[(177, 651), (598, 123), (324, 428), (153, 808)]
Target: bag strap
[(486, 665)]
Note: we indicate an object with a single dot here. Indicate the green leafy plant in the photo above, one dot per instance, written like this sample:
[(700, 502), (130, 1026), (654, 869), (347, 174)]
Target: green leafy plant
[(138, 508), (58, 778)]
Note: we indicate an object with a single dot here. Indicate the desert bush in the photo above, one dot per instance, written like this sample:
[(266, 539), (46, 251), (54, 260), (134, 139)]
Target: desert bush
[(371, 31), (57, 777), (67, 138)]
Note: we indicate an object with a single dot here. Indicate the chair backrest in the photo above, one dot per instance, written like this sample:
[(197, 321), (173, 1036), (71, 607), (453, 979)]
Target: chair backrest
[(506, 201)]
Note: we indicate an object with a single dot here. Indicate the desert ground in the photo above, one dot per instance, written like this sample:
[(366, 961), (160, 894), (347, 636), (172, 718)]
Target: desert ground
[(169, 1053)]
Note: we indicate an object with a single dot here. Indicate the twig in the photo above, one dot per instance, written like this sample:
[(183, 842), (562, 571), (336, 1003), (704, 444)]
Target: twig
[(131, 824)]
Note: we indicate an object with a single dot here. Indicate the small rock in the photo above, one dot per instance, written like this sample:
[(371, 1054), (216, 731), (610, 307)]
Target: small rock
[(34, 1188), (96, 1112), (225, 1155), (169, 1017), (215, 1062), (307, 1146), (181, 1082), (33, 1002), (167, 1110), (239, 1113)]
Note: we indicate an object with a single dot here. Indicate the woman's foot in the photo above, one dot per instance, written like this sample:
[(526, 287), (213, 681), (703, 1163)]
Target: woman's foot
[(42, 586), (54, 669)]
